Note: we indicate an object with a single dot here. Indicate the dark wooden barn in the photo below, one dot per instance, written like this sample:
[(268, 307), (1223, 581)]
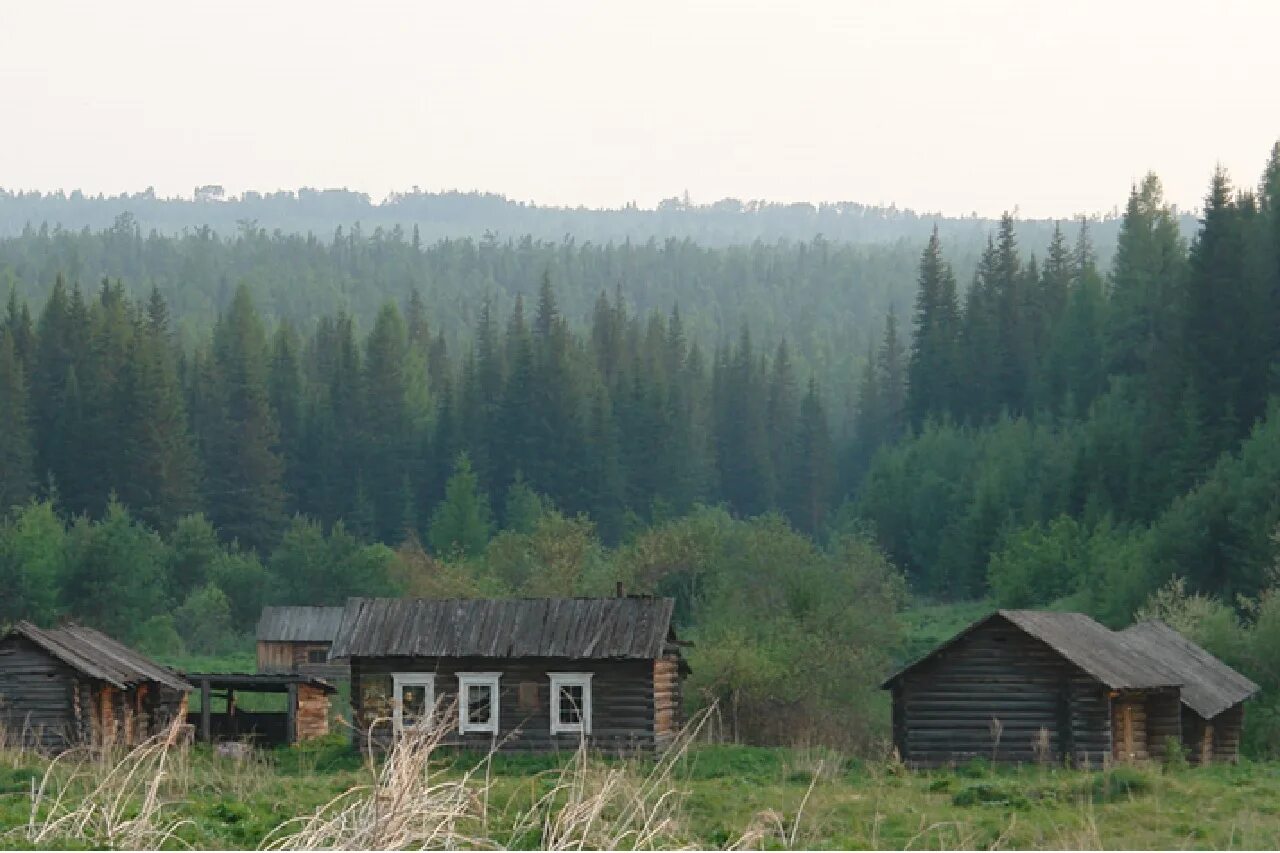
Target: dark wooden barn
[(297, 640), (528, 674), (73, 685), (1213, 694), (1024, 686)]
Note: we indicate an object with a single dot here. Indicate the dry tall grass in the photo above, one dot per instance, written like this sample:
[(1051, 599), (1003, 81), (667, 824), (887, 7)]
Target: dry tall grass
[(105, 798), (588, 805)]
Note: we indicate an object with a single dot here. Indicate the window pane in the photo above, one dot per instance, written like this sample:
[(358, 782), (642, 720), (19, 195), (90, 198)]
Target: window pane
[(479, 700), (413, 703), (571, 704)]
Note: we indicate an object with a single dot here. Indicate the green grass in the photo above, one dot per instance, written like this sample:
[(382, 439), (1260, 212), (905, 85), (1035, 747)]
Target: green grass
[(725, 790)]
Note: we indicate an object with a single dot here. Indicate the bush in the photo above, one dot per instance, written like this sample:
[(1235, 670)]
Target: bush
[(1118, 783)]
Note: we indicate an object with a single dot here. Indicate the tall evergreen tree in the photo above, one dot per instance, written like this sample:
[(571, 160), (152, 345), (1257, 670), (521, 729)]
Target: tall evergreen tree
[(17, 456), (933, 371), (244, 493)]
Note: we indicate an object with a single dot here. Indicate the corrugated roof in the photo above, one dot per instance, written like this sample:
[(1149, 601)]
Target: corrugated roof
[(505, 628), (1102, 653), (99, 657), (1209, 686), (300, 624)]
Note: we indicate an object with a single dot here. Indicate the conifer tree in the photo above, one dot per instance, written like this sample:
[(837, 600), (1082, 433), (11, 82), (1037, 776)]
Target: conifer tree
[(933, 371), (244, 493), (159, 476), (17, 457), (461, 524)]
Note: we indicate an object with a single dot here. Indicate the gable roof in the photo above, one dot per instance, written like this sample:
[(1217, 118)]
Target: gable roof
[(1115, 661), (1209, 686), (299, 624), (99, 657), (592, 628)]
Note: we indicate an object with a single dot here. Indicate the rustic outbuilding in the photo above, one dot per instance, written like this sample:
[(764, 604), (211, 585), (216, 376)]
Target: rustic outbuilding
[(1023, 686), (533, 674), (68, 686), (297, 639), (305, 714), (1212, 693)]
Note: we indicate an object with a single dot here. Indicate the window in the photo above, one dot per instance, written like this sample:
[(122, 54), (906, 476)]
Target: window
[(570, 703), (478, 702), (317, 656), (414, 699)]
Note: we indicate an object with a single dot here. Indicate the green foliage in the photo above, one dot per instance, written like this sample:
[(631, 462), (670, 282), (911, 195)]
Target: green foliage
[(1039, 563), (461, 525), (204, 621), (33, 564)]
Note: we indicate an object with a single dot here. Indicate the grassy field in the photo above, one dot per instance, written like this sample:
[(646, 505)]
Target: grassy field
[(709, 796)]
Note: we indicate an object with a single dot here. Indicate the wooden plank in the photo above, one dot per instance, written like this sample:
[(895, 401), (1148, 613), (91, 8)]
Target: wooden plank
[(206, 712), (291, 715)]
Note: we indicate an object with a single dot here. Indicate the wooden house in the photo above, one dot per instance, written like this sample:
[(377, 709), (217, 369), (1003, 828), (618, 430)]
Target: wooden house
[(73, 685), (524, 674), (297, 640), (1213, 694), (1032, 686)]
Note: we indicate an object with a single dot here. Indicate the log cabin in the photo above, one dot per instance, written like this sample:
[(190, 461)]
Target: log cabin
[(1031, 686), (297, 639), (532, 675), (71, 686)]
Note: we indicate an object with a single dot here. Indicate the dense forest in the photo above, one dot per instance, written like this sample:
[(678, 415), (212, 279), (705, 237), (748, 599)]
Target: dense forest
[(453, 215), (209, 428)]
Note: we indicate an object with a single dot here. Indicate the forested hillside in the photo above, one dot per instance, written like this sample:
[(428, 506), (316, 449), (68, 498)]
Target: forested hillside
[(452, 215), (227, 422)]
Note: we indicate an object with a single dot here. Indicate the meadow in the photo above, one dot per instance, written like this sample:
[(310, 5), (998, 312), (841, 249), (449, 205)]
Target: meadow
[(700, 795)]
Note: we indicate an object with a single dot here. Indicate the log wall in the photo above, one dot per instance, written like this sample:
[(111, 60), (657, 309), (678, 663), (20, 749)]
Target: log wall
[(296, 657), (1001, 695), (622, 698), (667, 699), (1215, 740), (41, 703)]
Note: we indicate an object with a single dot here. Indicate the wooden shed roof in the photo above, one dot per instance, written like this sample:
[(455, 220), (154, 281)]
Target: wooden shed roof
[(1118, 662), (630, 627), (299, 624), (99, 657), (1209, 686)]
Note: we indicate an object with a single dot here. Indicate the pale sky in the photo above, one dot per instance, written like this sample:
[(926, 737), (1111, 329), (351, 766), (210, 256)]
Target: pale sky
[(955, 106)]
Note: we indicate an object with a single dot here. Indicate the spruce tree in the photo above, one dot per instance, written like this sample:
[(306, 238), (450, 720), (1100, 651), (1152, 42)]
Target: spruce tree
[(17, 456), (244, 493)]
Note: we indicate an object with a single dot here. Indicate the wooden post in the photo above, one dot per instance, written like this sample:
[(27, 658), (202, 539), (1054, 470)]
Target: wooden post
[(291, 715), (206, 719)]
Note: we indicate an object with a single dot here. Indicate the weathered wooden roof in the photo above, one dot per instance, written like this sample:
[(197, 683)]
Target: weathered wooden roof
[(299, 624), (1209, 686), (1106, 655), (631, 627), (99, 657), (259, 682)]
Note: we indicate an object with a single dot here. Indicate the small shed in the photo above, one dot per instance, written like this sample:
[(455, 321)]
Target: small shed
[(1213, 694), (1026, 686), (73, 685), (305, 715), (532, 674), (297, 639)]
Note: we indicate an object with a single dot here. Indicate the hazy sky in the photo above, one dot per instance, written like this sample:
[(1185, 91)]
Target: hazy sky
[(955, 106)]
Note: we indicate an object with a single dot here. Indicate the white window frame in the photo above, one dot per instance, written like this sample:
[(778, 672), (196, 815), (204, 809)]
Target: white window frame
[(571, 679), (467, 680), (400, 680)]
